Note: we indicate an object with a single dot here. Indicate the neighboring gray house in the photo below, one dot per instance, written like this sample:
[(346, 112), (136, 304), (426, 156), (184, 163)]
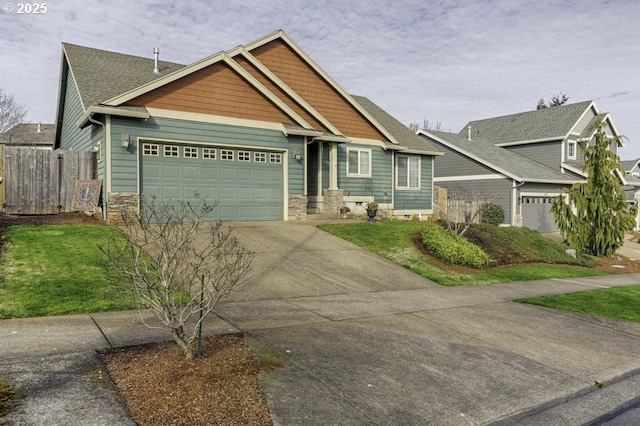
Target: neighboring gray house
[(261, 129), (33, 135), (527, 159)]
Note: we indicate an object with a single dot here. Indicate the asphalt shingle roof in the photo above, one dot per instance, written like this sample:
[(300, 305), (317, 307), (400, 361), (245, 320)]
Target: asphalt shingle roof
[(402, 133), (547, 123), (102, 75), (517, 165)]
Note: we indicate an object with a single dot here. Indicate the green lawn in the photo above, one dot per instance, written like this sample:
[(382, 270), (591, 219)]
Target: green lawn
[(618, 302), (55, 270), (392, 240)]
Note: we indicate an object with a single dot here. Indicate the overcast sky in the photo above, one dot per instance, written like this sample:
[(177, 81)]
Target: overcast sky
[(445, 61)]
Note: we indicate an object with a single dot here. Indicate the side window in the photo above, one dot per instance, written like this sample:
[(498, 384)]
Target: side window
[(358, 162), (407, 172), (571, 150)]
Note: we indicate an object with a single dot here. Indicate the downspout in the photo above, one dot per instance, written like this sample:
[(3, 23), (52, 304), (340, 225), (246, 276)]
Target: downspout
[(104, 131)]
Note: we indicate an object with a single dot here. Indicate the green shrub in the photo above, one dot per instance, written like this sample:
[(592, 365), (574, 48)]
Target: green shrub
[(492, 214), (453, 249), (515, 245)]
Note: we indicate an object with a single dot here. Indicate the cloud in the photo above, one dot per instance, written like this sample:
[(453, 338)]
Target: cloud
[(450, 61)]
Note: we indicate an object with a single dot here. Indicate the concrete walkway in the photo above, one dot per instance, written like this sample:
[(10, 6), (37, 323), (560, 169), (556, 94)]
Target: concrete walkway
[(366, 341)]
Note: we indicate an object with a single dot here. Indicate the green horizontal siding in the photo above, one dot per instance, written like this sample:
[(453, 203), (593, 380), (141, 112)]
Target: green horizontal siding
[(72, 137), (124, 161), (379, 185), (421, 199)]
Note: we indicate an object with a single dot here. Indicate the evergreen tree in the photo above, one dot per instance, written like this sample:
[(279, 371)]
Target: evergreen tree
[(597, 216)]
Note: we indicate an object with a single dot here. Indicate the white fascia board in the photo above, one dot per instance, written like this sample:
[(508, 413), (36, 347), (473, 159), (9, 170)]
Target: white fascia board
[(300, 132), (551, 139), (573, 169), (282, 85), (262, 89), (468, 178), (332, 138), (215, 119), (182, 72), (339, 89), (84, 118), (588, 108)]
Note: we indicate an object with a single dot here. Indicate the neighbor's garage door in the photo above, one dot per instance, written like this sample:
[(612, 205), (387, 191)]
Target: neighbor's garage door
[(536, 214), (247, 185)]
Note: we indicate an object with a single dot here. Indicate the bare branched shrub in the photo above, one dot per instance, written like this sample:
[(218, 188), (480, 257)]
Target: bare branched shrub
[(164, 253), (463, 207)]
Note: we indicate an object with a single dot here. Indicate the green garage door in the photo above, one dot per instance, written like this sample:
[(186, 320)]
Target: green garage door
[(247, 185), (536, 214)]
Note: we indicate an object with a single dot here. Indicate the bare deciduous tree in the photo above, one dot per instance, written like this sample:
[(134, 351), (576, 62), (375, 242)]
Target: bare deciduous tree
[(463, 207), (426, 125), (177, 265), (11, 113)]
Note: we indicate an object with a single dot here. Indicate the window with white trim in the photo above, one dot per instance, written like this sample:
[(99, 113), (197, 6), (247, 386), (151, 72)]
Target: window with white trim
[(171, 151), (260, 157), (209, 153), (275, 157), (226, 154), (244, 156), (150, 149), (190, 152), (571, 150), (407, 172), (358, 162)]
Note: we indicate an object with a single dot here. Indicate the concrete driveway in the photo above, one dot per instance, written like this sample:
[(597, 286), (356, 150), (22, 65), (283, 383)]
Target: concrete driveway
[(367, 342)]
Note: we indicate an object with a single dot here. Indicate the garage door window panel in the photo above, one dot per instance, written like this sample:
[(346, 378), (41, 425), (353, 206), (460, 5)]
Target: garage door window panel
[(149, 149), (226, 155), (190, 152)]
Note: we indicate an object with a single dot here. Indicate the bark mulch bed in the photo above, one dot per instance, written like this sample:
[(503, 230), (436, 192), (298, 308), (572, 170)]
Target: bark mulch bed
[(161, 387)]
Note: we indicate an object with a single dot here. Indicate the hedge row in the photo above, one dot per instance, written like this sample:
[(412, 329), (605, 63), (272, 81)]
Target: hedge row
[(453, 249)]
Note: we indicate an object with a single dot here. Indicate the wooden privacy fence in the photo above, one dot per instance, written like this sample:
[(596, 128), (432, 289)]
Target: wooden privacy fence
[(39, 181)]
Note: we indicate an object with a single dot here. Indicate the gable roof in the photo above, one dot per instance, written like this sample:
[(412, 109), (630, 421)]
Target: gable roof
[(629, 165), (501, 160), (101, 74), (401, 132), (30, 134), (106, 81), (539, 125)]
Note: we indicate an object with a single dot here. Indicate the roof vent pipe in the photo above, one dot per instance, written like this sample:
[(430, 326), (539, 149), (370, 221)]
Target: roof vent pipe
[(156, 52), (39, 129), (468, 133)]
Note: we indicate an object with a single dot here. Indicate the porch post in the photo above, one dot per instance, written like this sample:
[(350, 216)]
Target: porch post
[(333, 166)]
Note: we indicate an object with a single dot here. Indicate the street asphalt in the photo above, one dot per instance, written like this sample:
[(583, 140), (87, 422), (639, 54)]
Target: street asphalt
[(365, 342)]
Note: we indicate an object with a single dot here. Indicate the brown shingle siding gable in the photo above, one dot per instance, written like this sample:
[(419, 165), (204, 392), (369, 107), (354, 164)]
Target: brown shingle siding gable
[(315, 90), (216, 90)]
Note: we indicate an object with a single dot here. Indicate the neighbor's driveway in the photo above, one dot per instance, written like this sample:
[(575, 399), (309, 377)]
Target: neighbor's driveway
[(368, 342)]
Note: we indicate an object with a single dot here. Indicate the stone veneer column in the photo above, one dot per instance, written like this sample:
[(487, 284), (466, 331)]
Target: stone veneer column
[(297, 207), (333, 200), (119, 202)]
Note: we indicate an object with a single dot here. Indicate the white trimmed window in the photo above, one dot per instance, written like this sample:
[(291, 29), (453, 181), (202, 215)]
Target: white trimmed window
[(150, 149), (209, 153), (358, 162), (260, 157), (190, 152), (244, 156), (226, 154), (275, 157), (407, 172), (571, 150), (171, 151)]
